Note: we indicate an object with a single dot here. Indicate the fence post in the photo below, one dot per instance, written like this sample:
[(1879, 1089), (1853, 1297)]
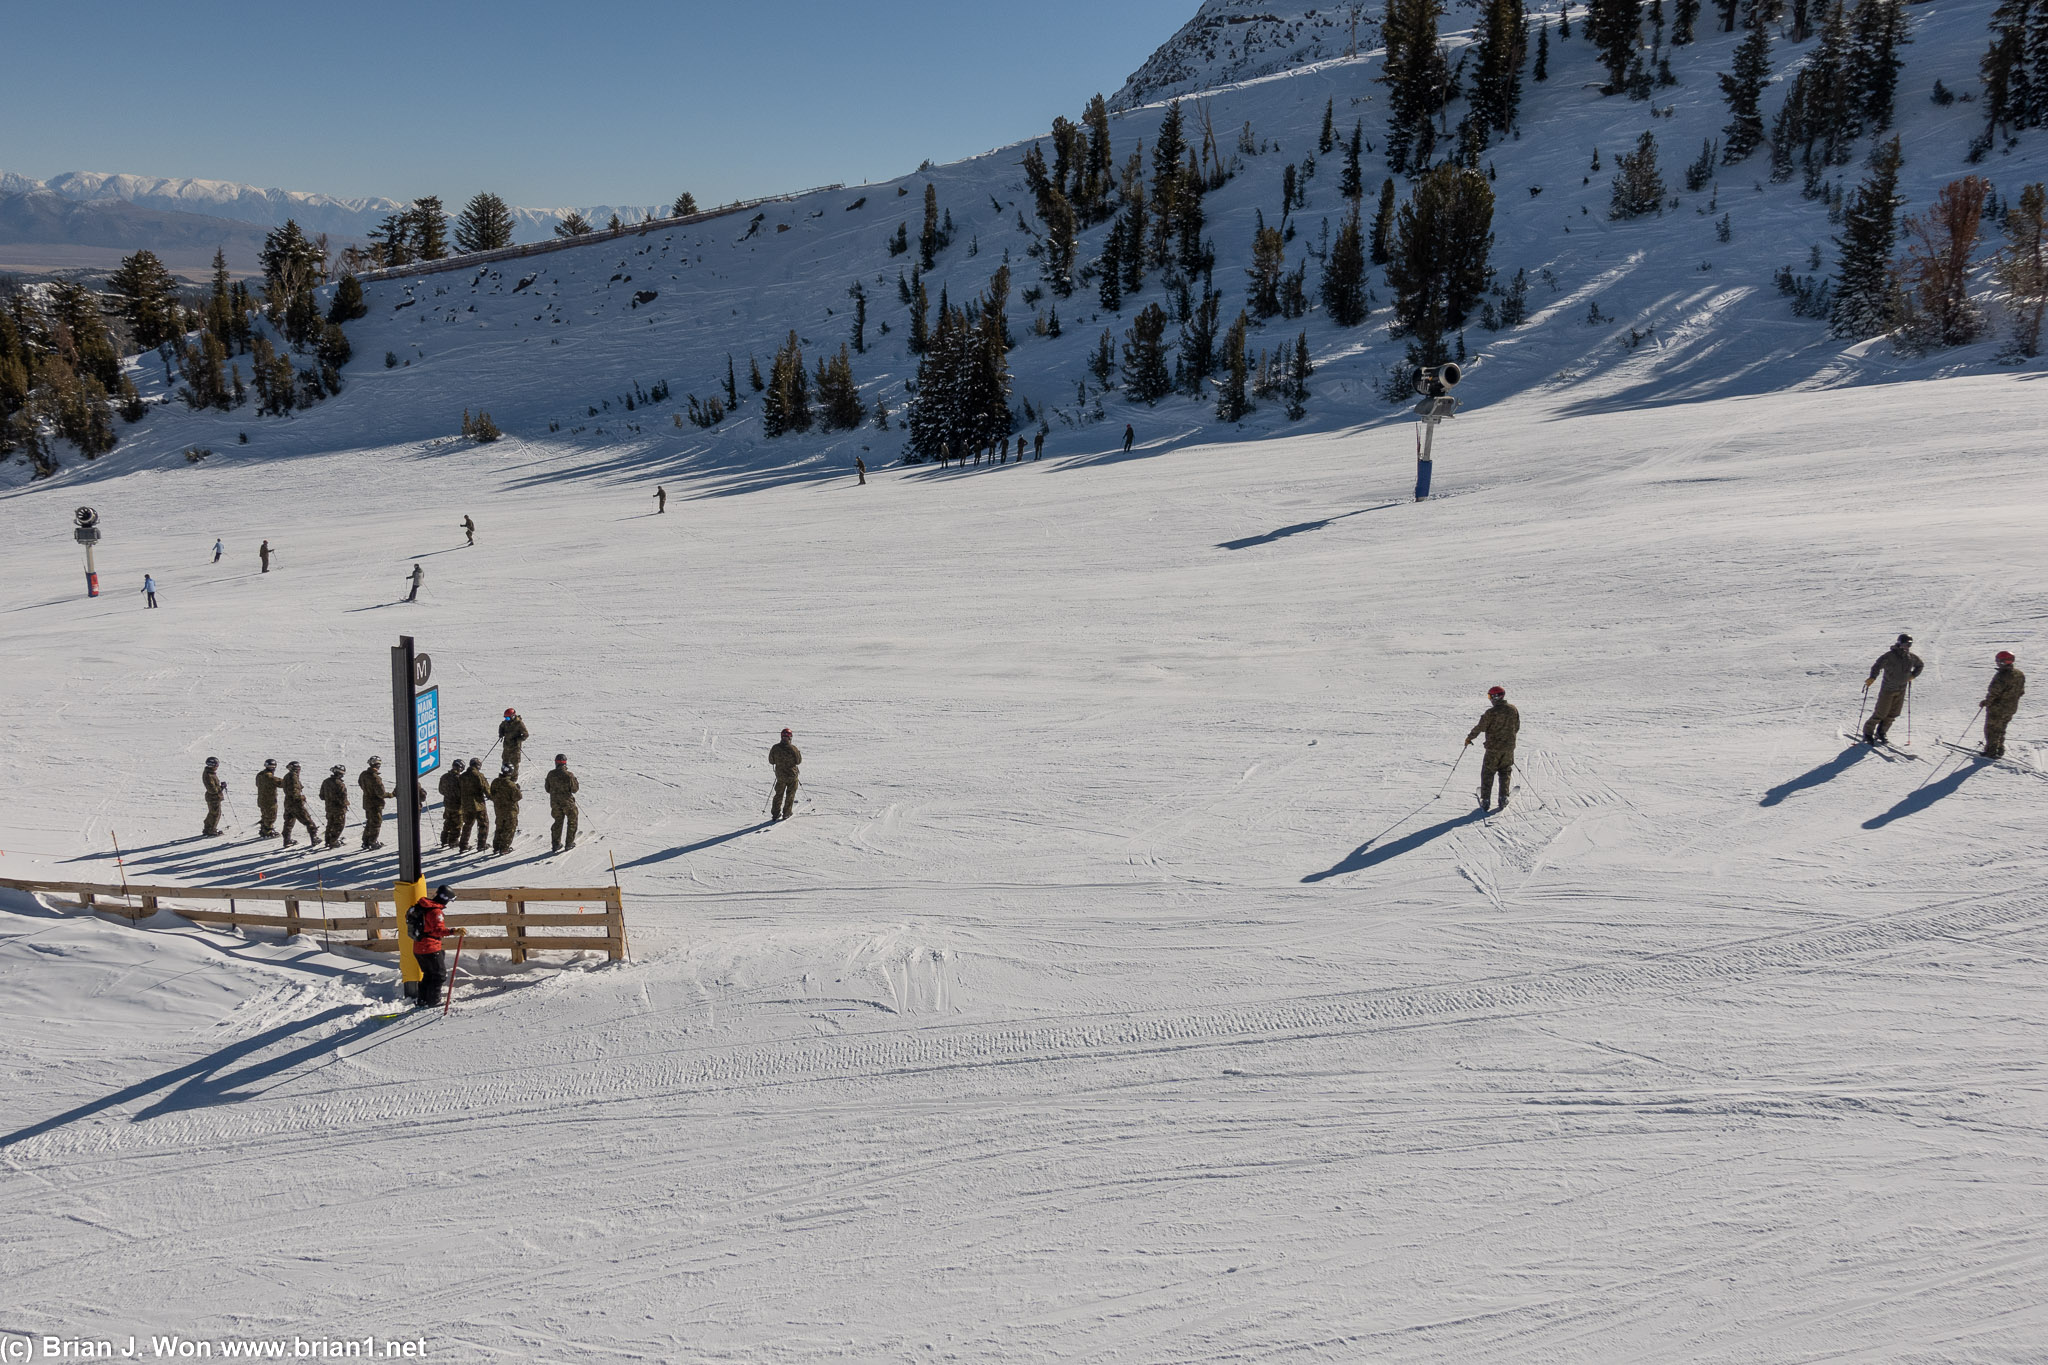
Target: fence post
[(373, 932), (85, 900), (291, 918), (615, 924), (148, 908), (515, 926)]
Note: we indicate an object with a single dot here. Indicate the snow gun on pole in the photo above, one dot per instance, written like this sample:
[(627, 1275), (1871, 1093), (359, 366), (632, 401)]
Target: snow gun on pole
[(1434, 383)]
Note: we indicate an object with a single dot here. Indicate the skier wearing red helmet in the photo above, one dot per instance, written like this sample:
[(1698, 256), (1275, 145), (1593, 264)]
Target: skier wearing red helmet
[(1500, 724), (512, 734), (785, 758), (2001, 700)]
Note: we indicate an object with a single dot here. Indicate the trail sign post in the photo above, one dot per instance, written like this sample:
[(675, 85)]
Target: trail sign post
[(416, 731)]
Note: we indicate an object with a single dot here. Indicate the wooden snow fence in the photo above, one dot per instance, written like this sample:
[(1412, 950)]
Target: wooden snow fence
[(524, 931)]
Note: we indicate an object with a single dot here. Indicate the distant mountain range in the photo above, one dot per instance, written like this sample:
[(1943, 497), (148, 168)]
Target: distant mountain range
[(89, 218)]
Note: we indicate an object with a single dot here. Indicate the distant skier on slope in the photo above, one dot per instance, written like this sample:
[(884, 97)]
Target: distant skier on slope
[(216, 792), (860, 468), (149, 589), (505, 802), (469, 528), (1130, 435), (375, 794), (1500, 723), (418, 577), (1898, 666), (267, 783), (2001, 700), (660, 500), (785, 758), (1038, 446), (334, 798), (295, 812), (561, 786), (263, 553), (218, 551), (513, 735)]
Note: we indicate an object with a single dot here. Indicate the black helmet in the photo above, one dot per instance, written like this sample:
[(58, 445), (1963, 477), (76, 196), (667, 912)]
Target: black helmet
[(444, 894), (1904, 638), (293, 765), (561, 758), (339, 769), (376, 760), (270, 763), (213, 763)]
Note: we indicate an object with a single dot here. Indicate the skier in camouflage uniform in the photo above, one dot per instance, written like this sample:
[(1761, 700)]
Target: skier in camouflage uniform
[(512, 734), (505, 801), (2001, 700), (561, 786), (334, 796), (476, 807), (216, 792), (375, 794), (785, 758), (1500, 724), (295, 812), (1898, 666), (451, 802), (267, 783)]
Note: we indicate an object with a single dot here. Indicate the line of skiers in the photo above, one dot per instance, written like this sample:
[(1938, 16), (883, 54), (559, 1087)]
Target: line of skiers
[(996, 451), (1898, 666)]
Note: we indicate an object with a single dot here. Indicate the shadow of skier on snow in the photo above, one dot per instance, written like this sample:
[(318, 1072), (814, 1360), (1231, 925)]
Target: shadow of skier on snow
[(1921, 797), (1826, 772), (215, 1079), (1365, 855), (666, 854), (1298, 528)]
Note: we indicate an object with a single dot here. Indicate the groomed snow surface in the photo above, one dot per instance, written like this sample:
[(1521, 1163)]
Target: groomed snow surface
[(1119, 991)]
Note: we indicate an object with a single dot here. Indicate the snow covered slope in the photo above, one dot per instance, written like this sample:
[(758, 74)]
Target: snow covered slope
[(1621, 314), (1123, 987), (1238, 40)]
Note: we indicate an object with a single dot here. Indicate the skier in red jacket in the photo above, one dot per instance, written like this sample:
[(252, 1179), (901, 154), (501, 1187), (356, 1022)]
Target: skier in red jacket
[(429, 925)]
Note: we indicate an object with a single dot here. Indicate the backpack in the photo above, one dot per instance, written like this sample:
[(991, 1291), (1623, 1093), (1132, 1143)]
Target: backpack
[(416, 921)]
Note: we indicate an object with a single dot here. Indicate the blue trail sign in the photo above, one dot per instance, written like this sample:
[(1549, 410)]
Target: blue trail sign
[(426, 708)]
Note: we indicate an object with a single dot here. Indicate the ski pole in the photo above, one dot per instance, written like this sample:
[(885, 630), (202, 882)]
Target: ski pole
[(1454, 770), (1909, 715), (1861, 707), (448, 1000)]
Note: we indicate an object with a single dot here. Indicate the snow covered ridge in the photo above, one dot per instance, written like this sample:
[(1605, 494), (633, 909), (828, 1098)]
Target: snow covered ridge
[(337, 216), (1235, 40)]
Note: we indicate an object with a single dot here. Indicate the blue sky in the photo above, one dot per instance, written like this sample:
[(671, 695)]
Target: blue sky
[(547, 104)]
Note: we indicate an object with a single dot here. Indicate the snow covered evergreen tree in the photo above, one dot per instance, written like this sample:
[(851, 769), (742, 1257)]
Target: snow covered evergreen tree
[(485, 224), (1864, 295)]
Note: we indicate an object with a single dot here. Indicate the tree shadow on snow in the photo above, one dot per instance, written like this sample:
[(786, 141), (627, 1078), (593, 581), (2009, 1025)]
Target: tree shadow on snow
[(232, 1074), (1298, 528), (1365, 855), (715, 840), (1826, 772), (1925, 795)]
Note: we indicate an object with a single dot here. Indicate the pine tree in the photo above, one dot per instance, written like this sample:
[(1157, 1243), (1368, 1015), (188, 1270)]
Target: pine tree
[(1685, 18), (1269, 252), (920, 320), (786, 406), (427, 224), (732, 383), (860, 317), (290, 264), (1383, 224), (574, 224), (1194, 255), (1344, 274), (1328, 137), (348, 302), (1062, 235), (1541, 71), (840, 407), (1874, 60), (147, 297), (1863, 295), (1146, 377), (1443, 239), (1829, 107), (1197, 359), (1638, 185), (485, 224), (1417, 78), (930, 239), (1110, 268), (1099, 169), (1615, 27), (2022, 270), (1351, 182), (1744, 89), (1497, 81), (1170, 182), (1233, 399), (2009, 96), (684, 206), (1298, 371)]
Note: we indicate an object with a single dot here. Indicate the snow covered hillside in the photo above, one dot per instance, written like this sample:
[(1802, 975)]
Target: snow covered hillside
[(1123, 988), (1238, 40), (1621, 314)]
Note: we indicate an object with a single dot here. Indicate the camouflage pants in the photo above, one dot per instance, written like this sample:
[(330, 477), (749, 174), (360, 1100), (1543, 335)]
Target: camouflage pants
[(451, 822), (478, 819), (212, 815), (1994, 732), (337, 816), (296, 814), (783, 804), (1497, 763), (508, 826), (1889, 706), (564, 811), (373, 824), (268, 810)]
